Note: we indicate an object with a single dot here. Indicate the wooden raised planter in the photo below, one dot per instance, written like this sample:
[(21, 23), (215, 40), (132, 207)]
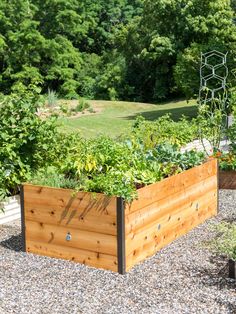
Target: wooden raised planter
[(11, 209), (105, 232), (227, 180)]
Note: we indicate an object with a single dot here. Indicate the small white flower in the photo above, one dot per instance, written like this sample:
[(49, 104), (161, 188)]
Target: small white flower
[(7, 172)]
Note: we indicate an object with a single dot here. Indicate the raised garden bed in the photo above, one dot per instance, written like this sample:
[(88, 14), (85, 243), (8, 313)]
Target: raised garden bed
[(10, 209), (105, 232), (227, 180)]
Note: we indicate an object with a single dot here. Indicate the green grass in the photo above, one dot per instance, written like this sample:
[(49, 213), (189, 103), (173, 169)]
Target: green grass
[(116, 117)]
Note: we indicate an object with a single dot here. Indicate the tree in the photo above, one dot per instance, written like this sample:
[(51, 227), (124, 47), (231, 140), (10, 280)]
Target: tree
[(165, 33), (52, 43)]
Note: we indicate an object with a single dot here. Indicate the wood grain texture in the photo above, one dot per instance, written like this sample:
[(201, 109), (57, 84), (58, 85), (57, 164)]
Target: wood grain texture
[(81, 239), (172, 185), (187, 198), (89, 258), (164, 211), (166, 222), (167, 236), (61, 207), (85, 202), (192, 197), (90, 220), (227, 180), (71, 217)]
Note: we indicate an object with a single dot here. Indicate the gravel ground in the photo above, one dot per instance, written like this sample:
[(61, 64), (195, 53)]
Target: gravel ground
[(182, 278)]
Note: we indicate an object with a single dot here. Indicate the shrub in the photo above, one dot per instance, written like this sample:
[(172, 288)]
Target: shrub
[(65, 109), (225, 240), (27, 142), (82, 105), (52, 98), (163, 130)]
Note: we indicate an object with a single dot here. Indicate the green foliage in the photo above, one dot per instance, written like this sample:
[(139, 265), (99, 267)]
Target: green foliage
[(49, 176), (225, 240), (57, 44), (227, 160), (27, 142), (144, 50), (186, 70), (162, 48), (164, 130), (211, 126), (51, 98), (119, 168), (65, 109), (82, 105)]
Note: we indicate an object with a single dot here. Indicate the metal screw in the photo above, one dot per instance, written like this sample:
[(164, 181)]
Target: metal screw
[(68, 236)]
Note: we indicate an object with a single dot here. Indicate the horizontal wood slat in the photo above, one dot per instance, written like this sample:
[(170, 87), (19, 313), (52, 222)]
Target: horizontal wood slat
[(164, 211), (11, 209), (86, 257), (167, 221), (168, 235), (188, 197), (84, 202), (172, 185), (98, 242), (103, 223)]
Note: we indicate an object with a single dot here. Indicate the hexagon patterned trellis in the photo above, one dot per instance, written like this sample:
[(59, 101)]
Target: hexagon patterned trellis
[(213, 76)]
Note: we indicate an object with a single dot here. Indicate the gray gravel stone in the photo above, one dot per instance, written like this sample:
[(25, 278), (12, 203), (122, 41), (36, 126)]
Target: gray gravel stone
[(184, 277)]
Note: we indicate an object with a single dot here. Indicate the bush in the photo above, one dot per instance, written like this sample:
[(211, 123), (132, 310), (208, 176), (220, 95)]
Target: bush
[(225, 241), (27, 142), (82, 105), (164, 130), (52, 98)]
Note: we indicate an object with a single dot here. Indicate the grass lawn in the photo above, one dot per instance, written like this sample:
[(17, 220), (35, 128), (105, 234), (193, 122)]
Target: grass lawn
[(116, 117)]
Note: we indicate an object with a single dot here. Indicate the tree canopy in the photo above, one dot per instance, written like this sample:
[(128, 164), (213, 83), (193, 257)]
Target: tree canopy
[(146, 50)]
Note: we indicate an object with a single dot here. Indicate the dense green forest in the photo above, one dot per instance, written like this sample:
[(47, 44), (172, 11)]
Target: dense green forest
[(140, 50)]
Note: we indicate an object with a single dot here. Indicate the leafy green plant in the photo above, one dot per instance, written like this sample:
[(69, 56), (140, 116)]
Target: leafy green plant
[(167, 153), (91, 110), (65, 109), (27, 142), (212, 120), (225, 240), (163, 130), (227, 160), (52, 98), (120, 168), (50, 176), (82, 105)]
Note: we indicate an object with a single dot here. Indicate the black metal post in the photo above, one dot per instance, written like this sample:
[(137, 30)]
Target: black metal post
[(232, 269), (120, 213), (22, 217)]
